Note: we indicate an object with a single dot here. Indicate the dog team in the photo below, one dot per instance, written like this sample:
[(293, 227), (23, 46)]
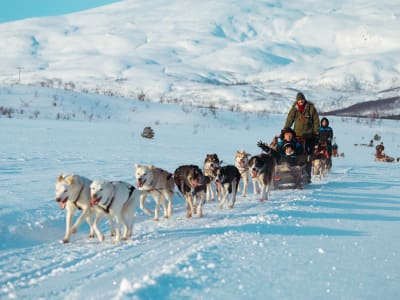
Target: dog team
[(117, 200)]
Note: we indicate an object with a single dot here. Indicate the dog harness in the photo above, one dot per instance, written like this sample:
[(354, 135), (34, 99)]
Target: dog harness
[(77, 198), (106, 206)]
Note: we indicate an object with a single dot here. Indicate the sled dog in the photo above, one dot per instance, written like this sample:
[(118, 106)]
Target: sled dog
[(242, 163), (210, 167), (319, 167), (158, 183), (191, 182), (262, 169), (228, 177), (73, 192), (117, 199)]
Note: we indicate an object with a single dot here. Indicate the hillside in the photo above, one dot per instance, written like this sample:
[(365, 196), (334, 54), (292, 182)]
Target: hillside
[(238, 55)]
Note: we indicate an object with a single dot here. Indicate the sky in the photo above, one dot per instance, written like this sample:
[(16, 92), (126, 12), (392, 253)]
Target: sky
[(12, 10)]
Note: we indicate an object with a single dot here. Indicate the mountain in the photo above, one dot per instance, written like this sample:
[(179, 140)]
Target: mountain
[(240, 55)]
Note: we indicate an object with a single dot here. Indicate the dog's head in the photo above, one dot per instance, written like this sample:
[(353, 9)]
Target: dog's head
[(242, 158), (100, 189), (195, 177), (212, 161), (256, 164), (144, 175), (67, 187)]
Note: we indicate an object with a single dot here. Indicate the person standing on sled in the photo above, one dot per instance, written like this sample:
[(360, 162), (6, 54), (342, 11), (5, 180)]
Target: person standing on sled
[(305, 118)]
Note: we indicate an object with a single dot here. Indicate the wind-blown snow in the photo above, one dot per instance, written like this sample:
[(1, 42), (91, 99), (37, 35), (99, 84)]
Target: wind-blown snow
[(251, 54), (336, 239)]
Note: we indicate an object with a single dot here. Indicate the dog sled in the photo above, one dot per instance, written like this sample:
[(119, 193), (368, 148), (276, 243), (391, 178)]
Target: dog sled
[(289, 176)]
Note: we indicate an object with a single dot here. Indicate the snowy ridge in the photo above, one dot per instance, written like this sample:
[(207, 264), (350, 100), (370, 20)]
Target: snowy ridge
[(235, 53)]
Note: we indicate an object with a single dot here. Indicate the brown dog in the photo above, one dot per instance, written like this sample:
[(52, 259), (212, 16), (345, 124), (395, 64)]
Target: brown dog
[(191, 182)]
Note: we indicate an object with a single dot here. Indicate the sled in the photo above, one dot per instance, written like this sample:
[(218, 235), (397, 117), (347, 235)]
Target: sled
[(290, 176)]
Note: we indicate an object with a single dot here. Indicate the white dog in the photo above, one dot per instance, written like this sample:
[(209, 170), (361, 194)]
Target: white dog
[(117, 199), (242, 163), (158, 183), (72, 192)]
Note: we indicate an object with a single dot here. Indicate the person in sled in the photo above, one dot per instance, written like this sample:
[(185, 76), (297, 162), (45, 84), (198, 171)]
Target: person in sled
[(325, 141), (305, 118), (380, 154), (288, 136)]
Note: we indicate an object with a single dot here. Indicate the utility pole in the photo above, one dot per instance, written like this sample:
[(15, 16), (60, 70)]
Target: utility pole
[(19, 74)]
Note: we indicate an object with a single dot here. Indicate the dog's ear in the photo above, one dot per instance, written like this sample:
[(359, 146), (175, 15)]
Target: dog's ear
[(137, 166), (60, 177), (70, 180), (151, 167)]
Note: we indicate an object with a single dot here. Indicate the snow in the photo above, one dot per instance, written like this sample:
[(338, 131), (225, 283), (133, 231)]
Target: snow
[(335, 239), (91, 81)]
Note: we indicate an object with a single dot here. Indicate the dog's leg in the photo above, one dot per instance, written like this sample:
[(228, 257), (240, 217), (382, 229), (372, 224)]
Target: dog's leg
[(97, 218), (199, 209), (256, 186), (224, 195), (162, 201), (157, 197), (245, 183), (86, 214), (143, 196), (264, 194), (70, 209), (235, 185), (169, 196), (189, 206)]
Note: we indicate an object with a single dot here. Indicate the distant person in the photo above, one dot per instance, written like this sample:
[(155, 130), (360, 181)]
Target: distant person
[(380, 154)]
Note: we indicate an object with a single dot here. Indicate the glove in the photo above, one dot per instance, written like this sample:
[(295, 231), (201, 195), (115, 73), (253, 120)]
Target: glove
[(263, 146)]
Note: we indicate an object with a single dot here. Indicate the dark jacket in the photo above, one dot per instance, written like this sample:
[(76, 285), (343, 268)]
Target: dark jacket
[(325, 133), (306, 123)]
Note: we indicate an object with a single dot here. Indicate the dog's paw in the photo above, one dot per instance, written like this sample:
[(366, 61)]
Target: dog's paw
[(65, 241), (91, 235), (101, 238), (74, 229), (230, 206), (156, 219)]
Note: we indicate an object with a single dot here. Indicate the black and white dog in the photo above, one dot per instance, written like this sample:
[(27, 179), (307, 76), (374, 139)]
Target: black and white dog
[(262, 168), (210, 168), (228, 178)]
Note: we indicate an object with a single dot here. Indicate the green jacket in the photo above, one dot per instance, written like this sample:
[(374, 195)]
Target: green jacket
[(306, 124)]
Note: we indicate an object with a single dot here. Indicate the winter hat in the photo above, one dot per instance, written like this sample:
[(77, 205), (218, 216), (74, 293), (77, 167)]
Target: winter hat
[(300, 96), (325, 119)]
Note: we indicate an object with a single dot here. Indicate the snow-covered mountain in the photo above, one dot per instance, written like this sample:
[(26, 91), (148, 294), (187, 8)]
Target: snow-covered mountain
[(243, 55)]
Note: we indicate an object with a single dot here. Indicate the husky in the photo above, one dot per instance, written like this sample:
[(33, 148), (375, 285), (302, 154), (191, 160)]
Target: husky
[(191, 182), (262, 169), (319, 167), (73, 192), (228, 177), (158, 183), (242, 163), (117, 199), (211, 165)]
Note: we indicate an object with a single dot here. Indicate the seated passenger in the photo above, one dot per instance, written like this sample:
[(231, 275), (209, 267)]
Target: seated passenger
[(380, 154), (288, 136)]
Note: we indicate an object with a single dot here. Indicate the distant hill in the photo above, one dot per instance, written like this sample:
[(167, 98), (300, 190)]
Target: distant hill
[(387, 108)]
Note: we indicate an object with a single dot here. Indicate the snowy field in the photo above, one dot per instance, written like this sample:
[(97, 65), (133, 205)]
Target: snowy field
[(336, 239)]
